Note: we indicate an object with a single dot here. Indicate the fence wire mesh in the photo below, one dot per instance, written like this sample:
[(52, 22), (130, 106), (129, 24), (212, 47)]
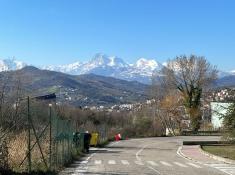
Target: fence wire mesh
[(38, 138)]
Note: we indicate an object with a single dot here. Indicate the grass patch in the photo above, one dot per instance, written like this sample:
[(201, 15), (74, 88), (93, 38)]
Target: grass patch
[(226, 151)]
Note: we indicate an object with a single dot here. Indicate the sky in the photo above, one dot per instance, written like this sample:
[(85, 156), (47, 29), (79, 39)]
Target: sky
[(54, 32)]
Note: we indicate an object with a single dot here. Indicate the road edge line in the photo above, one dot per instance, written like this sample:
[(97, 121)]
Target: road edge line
[(181, 154)]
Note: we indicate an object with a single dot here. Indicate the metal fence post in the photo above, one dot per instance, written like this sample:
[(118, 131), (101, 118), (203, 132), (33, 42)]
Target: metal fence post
[(50, 150), (29, 139)]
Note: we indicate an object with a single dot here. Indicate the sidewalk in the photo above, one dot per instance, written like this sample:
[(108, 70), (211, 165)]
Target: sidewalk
[(193, 152)]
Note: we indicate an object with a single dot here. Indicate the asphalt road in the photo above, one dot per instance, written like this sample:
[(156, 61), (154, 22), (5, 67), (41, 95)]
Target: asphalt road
[(142, 156)]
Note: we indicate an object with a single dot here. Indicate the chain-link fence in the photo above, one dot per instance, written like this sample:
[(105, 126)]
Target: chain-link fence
[(38, 138)]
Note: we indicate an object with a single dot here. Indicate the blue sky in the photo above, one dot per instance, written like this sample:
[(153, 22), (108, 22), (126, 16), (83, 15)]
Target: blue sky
[(43, 32)]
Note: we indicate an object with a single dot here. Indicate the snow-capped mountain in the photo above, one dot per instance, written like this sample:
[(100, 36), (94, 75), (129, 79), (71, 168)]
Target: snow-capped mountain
[(100, 64), (143, 63), (68, 68), (11, 64), (232, 72), (113, 66), (222, 74)]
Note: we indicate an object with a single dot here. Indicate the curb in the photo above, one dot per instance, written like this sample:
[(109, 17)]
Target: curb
[(179, 152), (221, 159)]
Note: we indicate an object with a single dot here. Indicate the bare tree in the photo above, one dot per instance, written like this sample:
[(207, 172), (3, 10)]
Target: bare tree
[(190, 75), (171, 105)]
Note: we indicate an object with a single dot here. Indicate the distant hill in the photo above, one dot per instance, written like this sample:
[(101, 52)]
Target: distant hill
[(86, 89), (78, 90), (226, 81)]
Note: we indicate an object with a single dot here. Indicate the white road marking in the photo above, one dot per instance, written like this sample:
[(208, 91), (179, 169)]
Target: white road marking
[(180, 164), (230, 172), (194, 165), (84, 162), (137, 154), (98, 162), (179, 153), (139, 162), (226, 168), (125, 162), (81, 169), (82, 165), (154, 170), (152, 163), (111, 162), (233, 168), (165, 163)]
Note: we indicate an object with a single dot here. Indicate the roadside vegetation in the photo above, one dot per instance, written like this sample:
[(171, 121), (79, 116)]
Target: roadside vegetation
[(229, 123), (226, 151), (181, 87)]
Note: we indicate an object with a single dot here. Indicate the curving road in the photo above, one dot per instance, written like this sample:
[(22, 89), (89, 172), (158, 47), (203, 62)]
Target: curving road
[(142, 156)]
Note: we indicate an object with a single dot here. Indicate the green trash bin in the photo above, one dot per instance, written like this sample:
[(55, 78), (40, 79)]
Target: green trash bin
[(78, 141)]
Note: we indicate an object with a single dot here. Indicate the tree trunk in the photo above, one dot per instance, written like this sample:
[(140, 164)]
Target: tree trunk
[(195, 117)]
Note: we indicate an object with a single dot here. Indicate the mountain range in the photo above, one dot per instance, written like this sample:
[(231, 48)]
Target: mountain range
[(112, 66), (100, 81), (109, 66), (77, 90), (100, 64)]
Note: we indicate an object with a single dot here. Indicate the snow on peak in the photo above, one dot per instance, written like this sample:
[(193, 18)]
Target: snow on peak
[(147, 64), (100, 64), (113, 66), (100, 59), (67, 68), (233, 71), (115, 61), (104, 60), (72, 66)]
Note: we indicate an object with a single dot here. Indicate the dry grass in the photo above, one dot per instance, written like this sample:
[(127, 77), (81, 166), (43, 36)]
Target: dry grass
[(18, 149), (226, 151)]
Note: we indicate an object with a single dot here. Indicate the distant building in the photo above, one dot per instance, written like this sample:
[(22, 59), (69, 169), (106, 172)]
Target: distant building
[(222, 95)]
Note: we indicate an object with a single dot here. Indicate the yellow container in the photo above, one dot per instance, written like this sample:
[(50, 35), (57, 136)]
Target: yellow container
[(94, 139)]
